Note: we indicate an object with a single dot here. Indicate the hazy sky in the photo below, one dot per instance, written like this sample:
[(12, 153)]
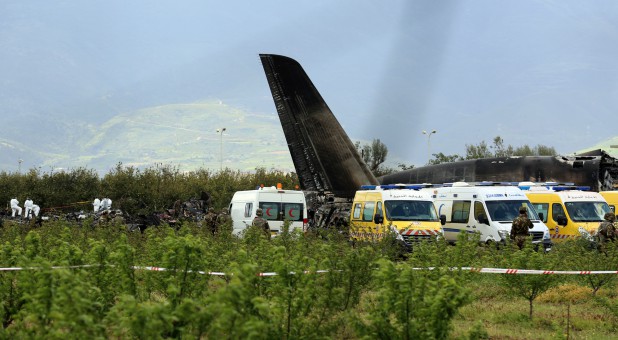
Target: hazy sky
[(532, 72)]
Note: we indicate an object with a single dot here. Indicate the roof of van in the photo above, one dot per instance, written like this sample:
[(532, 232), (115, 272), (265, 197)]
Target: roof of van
[(569, 195)]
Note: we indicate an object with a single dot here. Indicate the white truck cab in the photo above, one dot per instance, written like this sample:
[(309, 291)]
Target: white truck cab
[(277, 206), (486, 208)]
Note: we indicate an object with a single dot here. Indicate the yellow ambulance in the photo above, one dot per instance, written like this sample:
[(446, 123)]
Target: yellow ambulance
[(569, 211), (404, 209), (612, 199)]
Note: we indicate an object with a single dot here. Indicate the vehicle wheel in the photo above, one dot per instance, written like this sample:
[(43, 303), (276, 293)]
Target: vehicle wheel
[(492, 244)]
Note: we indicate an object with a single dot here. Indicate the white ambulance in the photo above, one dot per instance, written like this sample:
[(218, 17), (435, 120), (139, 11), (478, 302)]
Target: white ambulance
[(487, 208), (277, 206)]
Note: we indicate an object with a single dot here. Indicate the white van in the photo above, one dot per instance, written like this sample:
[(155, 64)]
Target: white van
[(486, 208), (277, 206)]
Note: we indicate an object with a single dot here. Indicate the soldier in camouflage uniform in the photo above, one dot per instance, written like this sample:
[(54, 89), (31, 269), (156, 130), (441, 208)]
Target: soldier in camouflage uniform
[(520, 228), (224, 221), (211, 221), (607, 229), (261, 223)]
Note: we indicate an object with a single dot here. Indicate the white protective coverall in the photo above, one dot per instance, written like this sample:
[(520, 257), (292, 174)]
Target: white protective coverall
[(28, 207), (15, 207), (96, 204), (106, 204), (35, 210)]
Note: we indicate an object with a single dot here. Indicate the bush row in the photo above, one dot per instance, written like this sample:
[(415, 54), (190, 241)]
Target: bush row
[(136, 191)]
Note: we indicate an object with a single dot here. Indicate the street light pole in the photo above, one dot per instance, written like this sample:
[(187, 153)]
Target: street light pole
[(429, 143), (220, 131)]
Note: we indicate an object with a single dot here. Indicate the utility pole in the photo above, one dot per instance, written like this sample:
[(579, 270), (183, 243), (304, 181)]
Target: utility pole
[(429, 143), (220, 131), (19, 161)]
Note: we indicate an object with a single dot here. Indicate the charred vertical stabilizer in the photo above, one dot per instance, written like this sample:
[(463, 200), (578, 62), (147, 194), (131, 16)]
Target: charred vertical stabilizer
[(324, 157)]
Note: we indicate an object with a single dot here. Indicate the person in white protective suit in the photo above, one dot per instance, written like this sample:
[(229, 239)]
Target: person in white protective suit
[(106, 204), (96, 205), (28, 208), (15, 207), (35, 210)]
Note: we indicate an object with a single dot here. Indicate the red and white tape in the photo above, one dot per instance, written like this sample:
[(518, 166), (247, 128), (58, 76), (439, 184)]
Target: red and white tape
[(471, 269)]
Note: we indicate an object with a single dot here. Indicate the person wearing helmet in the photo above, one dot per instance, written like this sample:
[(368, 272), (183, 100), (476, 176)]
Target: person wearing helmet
[(261, 223), (607, 230), (521, 227)]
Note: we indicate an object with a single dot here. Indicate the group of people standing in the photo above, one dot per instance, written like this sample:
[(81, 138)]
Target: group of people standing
[(30, 209), (101, 205)]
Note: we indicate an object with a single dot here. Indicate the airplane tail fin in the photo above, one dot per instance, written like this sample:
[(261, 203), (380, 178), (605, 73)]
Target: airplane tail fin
[(324, 157)]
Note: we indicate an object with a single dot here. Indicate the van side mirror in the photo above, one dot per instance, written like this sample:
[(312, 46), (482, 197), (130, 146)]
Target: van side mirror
[(442, 219), (541, 216), (378, 219), (562, 220)]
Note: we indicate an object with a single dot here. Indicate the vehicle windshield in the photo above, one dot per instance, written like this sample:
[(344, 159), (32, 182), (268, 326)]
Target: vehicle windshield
[(587, 211), (502, 211), (410, 211)]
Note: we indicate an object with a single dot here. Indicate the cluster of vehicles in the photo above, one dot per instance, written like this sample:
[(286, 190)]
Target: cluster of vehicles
[(421, 211)]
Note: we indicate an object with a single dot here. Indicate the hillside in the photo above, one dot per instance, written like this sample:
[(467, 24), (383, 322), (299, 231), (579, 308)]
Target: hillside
[(182, 135)]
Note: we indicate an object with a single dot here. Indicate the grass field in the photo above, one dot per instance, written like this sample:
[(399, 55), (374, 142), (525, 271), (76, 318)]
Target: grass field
[(503, 316)]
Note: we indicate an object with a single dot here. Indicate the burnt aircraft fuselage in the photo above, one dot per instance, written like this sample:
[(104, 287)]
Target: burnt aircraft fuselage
[(596, 171), (326, 160)]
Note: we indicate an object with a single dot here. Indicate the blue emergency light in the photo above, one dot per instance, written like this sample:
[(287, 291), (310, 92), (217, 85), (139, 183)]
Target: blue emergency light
[(564, 187), (396, 186), (488, 183)]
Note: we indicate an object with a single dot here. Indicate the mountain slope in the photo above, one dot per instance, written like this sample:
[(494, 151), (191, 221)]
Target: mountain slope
[(182, 135)]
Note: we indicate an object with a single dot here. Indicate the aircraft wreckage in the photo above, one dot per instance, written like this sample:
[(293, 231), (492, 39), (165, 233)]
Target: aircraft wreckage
[(327, 162)]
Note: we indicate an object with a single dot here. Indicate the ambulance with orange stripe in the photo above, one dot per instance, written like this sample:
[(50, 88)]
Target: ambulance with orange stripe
[(278, 205), (403, 209), (569, 211)]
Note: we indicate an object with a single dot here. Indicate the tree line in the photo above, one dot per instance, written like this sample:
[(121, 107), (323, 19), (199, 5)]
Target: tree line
[(374, 154), (133, 190)]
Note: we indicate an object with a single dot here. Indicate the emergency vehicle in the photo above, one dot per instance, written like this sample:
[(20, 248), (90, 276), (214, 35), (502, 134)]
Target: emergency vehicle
[(277, 206), (569, 211), (611, 197), (487, 208), (400, 208)]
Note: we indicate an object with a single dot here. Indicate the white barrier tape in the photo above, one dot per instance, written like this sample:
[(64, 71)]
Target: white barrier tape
[(53, 267), (471, 269), (527, 271), (159, 269)]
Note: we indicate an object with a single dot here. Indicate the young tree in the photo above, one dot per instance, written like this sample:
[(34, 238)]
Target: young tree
[(374, 155), (499, 149), (440, 158), (527, 286), (478, 151)]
